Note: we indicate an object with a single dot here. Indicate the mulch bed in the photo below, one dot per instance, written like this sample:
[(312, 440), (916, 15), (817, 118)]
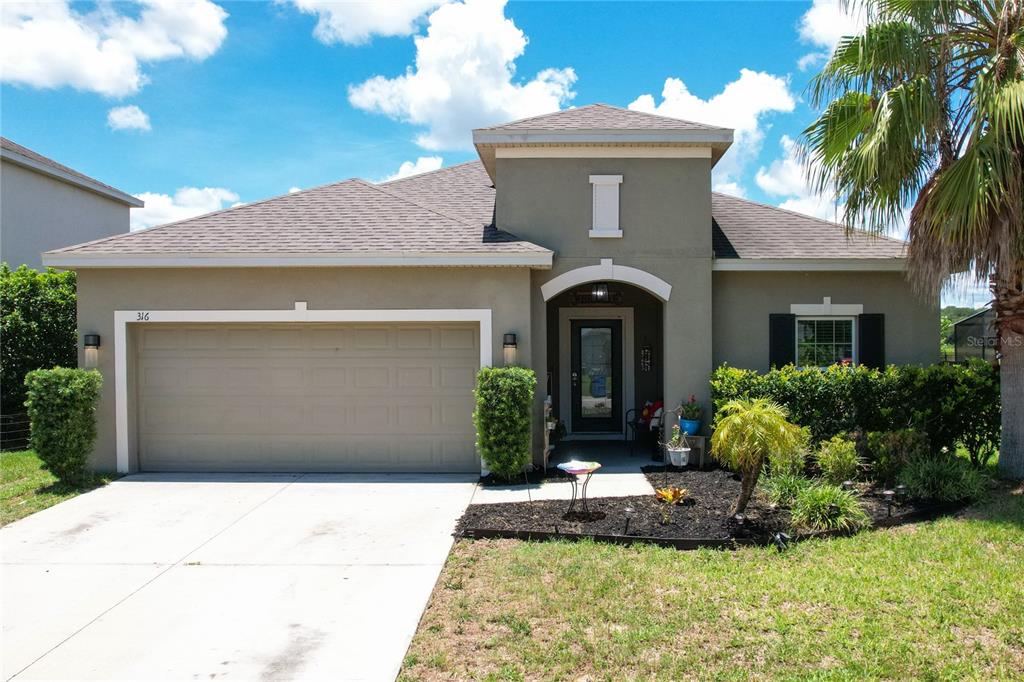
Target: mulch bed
[(702, 521)]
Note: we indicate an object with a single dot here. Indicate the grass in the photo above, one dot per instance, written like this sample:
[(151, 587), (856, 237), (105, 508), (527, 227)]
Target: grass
[(931, 601), (26, 487)]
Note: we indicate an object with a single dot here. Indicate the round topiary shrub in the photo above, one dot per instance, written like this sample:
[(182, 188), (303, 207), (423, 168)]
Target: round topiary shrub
[(62, 409), (504, 402)]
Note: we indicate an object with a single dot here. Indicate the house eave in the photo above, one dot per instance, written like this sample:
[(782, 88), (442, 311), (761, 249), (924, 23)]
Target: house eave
[(83, 183), (809, 264), (539, 261)]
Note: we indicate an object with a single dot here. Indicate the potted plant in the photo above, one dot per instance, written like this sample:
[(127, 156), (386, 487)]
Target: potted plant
[(689, 414), (678, 448)]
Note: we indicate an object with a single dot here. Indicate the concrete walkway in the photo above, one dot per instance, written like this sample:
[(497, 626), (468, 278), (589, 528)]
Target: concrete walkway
[(242, 577), (619, 476)]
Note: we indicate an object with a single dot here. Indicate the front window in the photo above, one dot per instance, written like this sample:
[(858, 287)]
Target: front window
[(821, 342)]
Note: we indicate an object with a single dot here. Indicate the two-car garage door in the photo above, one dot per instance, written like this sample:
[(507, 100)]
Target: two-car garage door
[(306, 397)]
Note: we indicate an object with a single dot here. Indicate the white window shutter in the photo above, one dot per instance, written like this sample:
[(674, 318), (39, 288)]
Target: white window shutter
[(606, 205)]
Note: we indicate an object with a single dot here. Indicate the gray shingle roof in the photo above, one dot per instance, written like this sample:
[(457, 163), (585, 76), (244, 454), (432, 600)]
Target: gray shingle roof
[(599, 117), (13, 150), (747, 229), (350, 217)]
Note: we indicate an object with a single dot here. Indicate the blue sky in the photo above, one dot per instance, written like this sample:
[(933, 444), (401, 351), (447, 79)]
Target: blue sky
[(197, 108)]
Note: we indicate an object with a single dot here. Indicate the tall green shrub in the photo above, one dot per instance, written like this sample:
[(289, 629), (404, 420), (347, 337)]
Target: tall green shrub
[(504, 403), (950, 404), (62, 408), (37, 328), (838, 460)]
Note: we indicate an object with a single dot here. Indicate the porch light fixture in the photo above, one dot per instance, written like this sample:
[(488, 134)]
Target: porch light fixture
[(509, 349), (599, 292), (91, 342)]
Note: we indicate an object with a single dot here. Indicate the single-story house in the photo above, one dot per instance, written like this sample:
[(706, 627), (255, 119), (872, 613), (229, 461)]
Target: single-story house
[(45, 205), (339, 328)]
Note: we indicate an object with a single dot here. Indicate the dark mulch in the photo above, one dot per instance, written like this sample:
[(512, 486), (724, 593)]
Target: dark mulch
[(532, 477), (705, 515)]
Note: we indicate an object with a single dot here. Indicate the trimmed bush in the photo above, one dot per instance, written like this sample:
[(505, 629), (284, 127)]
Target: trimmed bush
[(828, 507), (837, 458), (944, 479), (504, 403), (791, 461), (62, 408), (890, 451), (38, 328), (782, 489), (948, 403)]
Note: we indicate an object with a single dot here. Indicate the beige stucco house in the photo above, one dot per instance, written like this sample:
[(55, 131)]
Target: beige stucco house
[(45, 205), (339, 328)]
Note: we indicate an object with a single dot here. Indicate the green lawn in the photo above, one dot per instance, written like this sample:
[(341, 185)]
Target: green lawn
[(931, 601), (26, 487)]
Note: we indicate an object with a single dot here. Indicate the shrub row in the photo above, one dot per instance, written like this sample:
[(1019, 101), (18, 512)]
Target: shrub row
[(950, 404)]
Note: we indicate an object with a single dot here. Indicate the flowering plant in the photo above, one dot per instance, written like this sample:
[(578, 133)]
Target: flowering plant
[(690, 409)]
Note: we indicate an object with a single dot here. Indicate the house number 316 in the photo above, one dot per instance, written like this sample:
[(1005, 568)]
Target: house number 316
[(141, 317)]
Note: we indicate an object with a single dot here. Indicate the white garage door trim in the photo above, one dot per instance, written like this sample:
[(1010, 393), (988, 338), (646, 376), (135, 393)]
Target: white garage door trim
[(122, 318)]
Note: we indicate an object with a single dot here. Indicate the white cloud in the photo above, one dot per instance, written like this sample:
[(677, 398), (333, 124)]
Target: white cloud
[(128, 118), (741, 105), (824, 25), (785, 177), (187, 202), (51, 45), (293, 190), (355, 23), (733, 188), (423, 164), (464, 78)]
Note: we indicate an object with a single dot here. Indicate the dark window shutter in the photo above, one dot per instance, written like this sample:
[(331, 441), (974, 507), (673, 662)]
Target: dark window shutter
[(781, 339), (871, 339)]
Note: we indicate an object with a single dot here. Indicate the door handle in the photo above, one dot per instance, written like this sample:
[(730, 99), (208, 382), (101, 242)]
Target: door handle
[(575, 378)]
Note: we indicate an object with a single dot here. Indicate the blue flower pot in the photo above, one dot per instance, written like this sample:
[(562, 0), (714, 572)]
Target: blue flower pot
[(689, 426)]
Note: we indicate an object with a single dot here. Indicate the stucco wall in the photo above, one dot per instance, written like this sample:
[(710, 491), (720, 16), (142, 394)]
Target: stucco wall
[(665, 216), (39, 213), (100, 292), (742, 302)]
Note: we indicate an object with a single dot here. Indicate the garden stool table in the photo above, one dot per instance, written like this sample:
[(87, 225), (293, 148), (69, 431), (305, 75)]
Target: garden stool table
[(575, 469)]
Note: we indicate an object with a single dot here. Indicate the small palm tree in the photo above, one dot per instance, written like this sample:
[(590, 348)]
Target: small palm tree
[(925, 109), (746, 432)]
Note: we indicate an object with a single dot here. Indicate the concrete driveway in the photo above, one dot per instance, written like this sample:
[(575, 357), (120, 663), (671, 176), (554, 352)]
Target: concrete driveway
[(226, 577)]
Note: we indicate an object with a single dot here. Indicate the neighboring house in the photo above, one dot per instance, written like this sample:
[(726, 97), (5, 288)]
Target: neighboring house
[(45, 205), (339, 328), (975, 336)]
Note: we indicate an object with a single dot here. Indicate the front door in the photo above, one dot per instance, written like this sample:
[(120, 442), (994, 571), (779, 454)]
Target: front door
[(596, 376)]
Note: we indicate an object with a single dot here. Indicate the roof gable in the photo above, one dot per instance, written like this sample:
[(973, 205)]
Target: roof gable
[(599, 117)]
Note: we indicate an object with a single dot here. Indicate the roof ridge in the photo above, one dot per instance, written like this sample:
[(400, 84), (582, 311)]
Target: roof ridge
[(122, 235), (407, 200), (430, 172), (602, 105), (830, 223)]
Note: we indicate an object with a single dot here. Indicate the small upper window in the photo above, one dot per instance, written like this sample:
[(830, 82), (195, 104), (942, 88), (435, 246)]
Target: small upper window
[(823, 341), (606, 206)]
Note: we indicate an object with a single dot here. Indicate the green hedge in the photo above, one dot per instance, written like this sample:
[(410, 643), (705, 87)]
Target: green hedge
[(949, 403), (62, 408), (504, 403), (38, 328)]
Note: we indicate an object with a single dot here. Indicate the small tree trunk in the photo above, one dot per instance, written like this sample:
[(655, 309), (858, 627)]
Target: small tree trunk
[(1009, 307), (748, 482)]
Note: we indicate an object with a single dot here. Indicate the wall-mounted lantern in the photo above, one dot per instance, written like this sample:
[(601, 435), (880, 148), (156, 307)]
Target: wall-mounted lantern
[(91, 342), (509, 349), (599, 292)]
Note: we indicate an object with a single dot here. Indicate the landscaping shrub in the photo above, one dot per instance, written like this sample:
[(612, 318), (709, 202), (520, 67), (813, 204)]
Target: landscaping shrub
[(62, 408), (782, 488), (504, 402), (889, 452), (38, 328), (827, 507), (791, 460), (948, 403), (838, 460), (943, 479)]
